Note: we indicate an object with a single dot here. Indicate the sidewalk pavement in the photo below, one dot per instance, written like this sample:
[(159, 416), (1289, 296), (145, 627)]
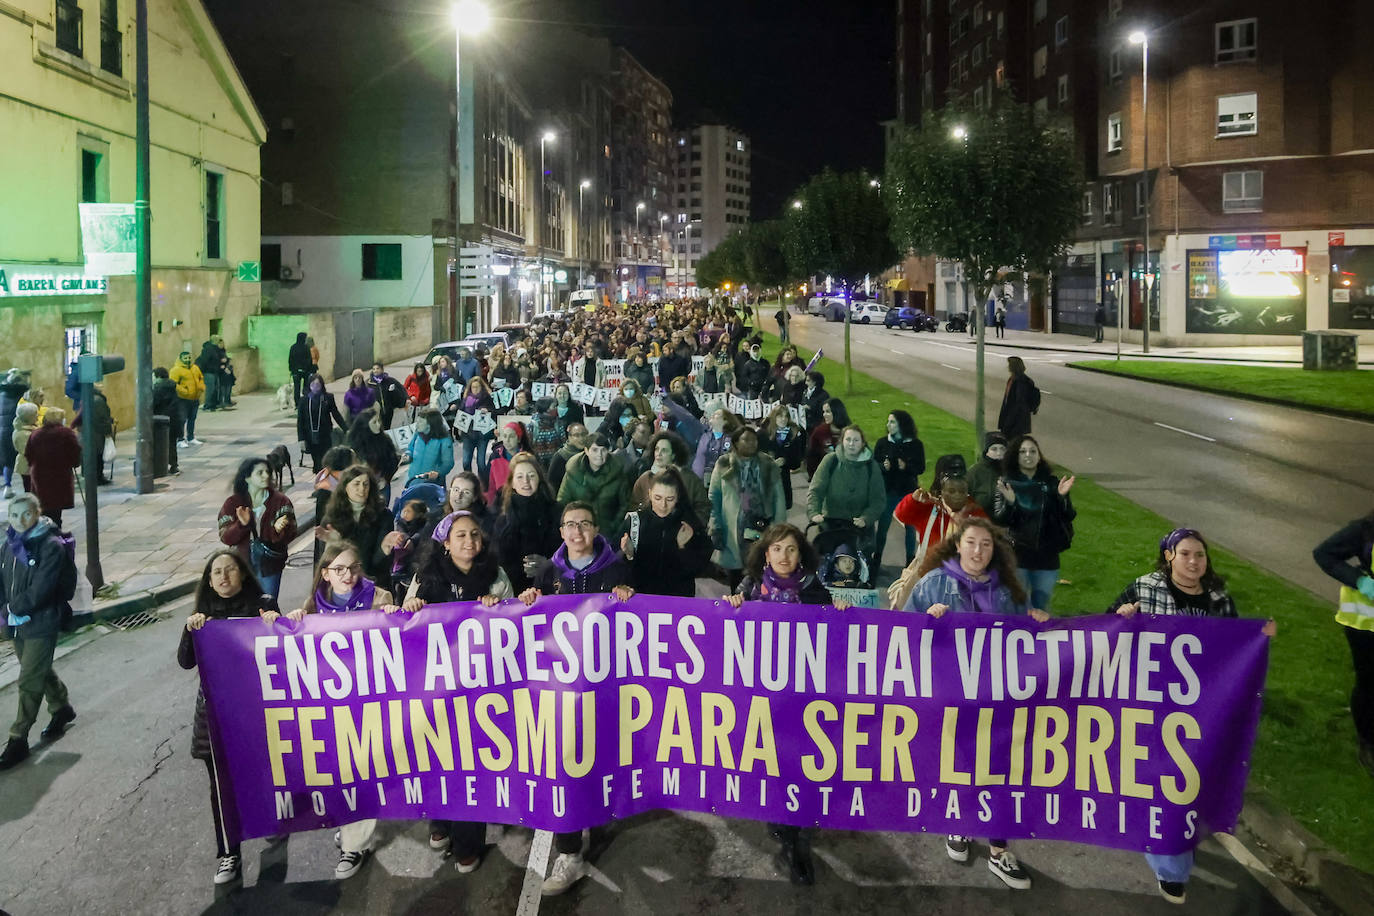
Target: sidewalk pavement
[(152, 546), (1073, 343)]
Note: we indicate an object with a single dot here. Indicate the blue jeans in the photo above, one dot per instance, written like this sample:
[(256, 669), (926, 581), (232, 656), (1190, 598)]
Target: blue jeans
[(190, 408), (1171, 868), (271, 585), (211, 391), (884, 521), (1040, 584)]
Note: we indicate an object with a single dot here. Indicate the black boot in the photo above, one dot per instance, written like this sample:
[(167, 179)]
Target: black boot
[(794, 855), (60, 720), (15, 752)]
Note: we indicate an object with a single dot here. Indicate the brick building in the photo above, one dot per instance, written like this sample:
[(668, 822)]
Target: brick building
[(1261, 165)]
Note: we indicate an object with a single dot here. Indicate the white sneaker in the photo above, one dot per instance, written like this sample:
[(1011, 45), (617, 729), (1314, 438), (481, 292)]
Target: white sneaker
[(229, 870), (349, 863), (568, 868), (195, 442), (182, 443)]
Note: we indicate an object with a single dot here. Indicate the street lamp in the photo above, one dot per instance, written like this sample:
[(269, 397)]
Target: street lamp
[(583, 185), (796, 205), (1140, 37), (959, 132), (468, 16), (874, 183), (547, 136)]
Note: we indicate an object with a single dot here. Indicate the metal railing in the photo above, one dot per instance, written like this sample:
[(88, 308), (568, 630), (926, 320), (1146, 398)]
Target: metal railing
[(69, 27)]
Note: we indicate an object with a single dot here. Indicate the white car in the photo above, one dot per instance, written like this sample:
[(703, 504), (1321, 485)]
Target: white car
[(867, 313)]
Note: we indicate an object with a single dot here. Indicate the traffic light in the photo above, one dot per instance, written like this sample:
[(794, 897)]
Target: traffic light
[(92, 367)]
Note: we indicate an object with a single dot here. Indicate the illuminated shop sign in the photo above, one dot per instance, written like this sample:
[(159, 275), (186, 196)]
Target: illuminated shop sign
[(47, 280), (1269, 273)]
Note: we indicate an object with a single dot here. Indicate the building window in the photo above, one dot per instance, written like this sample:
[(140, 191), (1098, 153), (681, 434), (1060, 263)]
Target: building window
[(1242, 192), (1040, 11), (739, 145), (1237, 40), (1114, 133), (963, 66), (1039, 61), (1001, 23), (1140, 198), (1114, 65), (214, 216), (977, 14), (111, 42), (1113, 10), (1111, 204), (977, 54), (978, 97), (1087, 206), (1061, 31), (1062, 88), (69, 27), (1000, 74), (381, 261), (1237, 115), (270, 255), (95, 177), (954, 73)]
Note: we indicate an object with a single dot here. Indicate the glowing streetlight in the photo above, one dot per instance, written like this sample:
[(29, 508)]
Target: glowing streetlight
[(796, 205), (874, 183), (470, 17), (959, 132), (546, 137), (583, 185)]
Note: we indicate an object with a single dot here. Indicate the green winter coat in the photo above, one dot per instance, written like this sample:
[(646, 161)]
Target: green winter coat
[(725, 505), (844, 488), (608, 490)]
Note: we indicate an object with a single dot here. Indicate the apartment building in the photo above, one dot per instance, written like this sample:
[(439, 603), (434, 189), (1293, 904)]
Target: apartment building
[(1260, 172), (641, 166), (711, 200)]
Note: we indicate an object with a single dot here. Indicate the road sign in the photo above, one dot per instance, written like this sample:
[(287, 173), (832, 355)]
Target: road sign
[(250, 272)]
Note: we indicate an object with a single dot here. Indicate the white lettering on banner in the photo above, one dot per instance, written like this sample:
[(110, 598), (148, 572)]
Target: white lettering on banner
[(46, 280)]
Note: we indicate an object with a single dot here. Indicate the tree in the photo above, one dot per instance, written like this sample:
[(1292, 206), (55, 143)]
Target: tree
[(837, 225), (765, 261), (995, 189), (722, 264)]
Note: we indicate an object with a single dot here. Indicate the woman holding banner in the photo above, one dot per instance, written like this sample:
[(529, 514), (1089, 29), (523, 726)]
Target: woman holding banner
[(456, 564), (227, 589), (973, 571), (1183, 582), (782, 567)]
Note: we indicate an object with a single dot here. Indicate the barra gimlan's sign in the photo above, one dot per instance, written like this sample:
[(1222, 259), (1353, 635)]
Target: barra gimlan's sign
[(48, 280)]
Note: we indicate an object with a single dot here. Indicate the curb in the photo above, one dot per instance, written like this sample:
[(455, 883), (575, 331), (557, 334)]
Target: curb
[(1245, 361), (1301, 859), (1242, 395)]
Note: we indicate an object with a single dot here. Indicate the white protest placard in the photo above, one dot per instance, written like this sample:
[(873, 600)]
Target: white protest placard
[(542, 390), (503, 397), (798, 414), (462, 421), (452, 390), (710, 403), (615, 371), (583, 394), (483, 422), (736, 404), (401, 436), (753, 409), (655, 402), (857, 597), (604, 396)]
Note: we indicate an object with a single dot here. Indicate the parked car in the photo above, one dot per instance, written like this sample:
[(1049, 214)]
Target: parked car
[(909, 317), (867, 312)]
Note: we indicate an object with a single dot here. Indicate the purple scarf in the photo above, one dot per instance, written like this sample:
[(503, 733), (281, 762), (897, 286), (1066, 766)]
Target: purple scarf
[(781, 588), (977, 597), (360, 600), (17, 546)]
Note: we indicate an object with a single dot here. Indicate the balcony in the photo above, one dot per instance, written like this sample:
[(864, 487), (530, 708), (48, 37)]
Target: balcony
[(69, 27), (111, 48)]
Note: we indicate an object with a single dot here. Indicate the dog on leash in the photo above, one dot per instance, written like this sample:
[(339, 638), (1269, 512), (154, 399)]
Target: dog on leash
[(283, 398), (278, 460)]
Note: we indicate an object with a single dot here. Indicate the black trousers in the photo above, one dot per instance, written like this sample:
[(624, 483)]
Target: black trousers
[(222, 845), (468, 837), (568, 843), (1362, 696)]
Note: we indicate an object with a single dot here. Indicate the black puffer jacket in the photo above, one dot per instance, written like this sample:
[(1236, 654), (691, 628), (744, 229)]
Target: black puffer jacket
[(659, 565), (32, 589), (244, 604)]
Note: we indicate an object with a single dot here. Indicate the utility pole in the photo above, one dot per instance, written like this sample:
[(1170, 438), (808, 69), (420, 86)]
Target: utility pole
[(143, 279)]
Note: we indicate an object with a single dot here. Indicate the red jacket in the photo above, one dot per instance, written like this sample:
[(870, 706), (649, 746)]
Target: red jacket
[(417, 388), (933, 515), (52, 452), (238, 537)]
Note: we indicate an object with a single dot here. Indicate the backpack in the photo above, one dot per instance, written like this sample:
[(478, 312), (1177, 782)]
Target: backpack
[(66, 577), (1034, 397)]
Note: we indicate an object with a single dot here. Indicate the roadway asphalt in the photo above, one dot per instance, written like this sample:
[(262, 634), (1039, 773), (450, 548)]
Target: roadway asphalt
[(1266, 482)]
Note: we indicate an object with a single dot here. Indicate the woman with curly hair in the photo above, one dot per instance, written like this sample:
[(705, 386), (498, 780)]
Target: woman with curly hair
[(259, 522), (374, 448), (973, 571), (357, 513)]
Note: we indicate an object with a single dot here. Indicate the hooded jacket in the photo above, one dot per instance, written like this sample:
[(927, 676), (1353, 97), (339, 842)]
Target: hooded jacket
[(847, 488), (659, 565), (897, 479), (949, 584), (607, 570), (190, 381), (298, 356), (607, 489), (725, 523), (29, 586)]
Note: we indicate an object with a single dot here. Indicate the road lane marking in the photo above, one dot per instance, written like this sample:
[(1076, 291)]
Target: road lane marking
[(955, 368), (532, 890), (1280, 891), (1185, 432), (895, 350)]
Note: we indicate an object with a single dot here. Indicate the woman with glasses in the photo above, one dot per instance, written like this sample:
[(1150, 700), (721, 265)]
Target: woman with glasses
[(585, 564), (457, 564), (339, 586)]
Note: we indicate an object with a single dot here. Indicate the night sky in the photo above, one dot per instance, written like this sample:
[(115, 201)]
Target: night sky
[(809, 82)]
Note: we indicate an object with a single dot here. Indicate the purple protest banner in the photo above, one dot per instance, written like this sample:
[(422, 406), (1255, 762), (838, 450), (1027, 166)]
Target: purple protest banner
[(1133, 733)]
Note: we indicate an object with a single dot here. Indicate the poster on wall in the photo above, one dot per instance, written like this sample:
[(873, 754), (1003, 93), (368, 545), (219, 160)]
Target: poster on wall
[(1352, 287), (109, 238), (1247, 291)]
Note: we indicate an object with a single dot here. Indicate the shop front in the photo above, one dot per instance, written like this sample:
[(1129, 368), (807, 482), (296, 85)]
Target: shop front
[(1351, 305), (1247, 285)]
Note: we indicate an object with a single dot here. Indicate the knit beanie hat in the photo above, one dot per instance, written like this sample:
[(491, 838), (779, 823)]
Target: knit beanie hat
[(993, 437)]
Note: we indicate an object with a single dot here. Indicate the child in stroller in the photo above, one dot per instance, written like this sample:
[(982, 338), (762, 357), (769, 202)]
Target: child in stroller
[(842, 550)]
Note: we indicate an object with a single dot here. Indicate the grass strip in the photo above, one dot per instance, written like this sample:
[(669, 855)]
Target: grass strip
[(1304, 756), (1345, 393)]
